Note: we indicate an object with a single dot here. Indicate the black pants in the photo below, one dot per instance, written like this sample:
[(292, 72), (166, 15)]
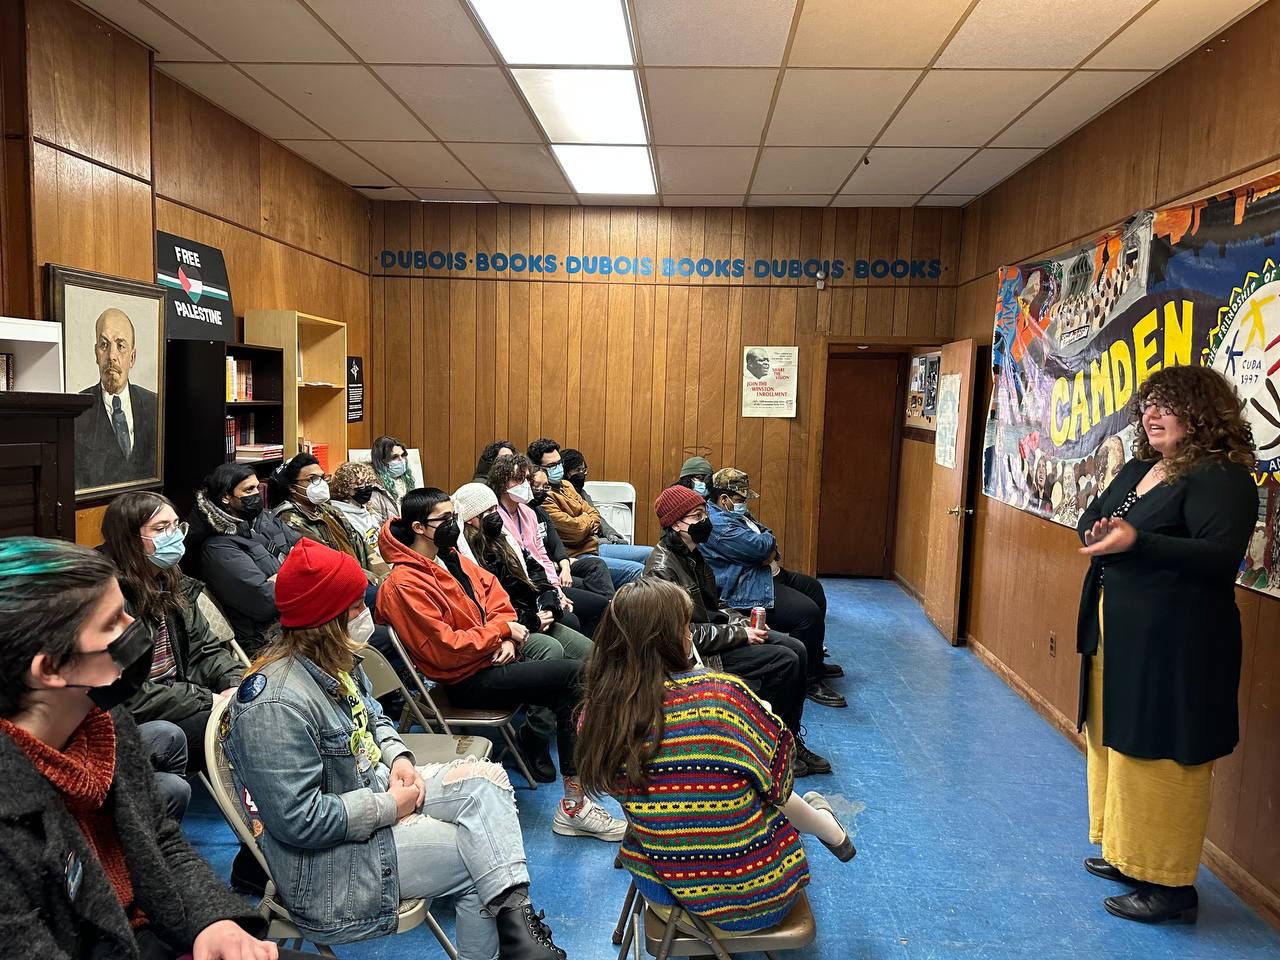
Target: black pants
[(588, 608), (776, 671), (800, 609), (591, 573), (545, 683)]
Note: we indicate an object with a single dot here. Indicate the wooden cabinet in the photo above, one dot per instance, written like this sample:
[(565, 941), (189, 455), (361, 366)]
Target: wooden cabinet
[(37, 463)]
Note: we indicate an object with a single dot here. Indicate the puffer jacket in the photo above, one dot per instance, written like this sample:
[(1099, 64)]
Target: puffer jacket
[(715, 628)]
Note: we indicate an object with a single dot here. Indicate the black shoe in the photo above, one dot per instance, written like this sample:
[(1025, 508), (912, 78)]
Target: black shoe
[(1107, 871), (799, 768), (823, 695), (537, 754), (844, 851), (830, 670), (247, 876), (1152, 903), (810, 761), (523, 936)]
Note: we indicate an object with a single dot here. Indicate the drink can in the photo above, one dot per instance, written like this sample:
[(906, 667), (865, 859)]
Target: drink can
[(757, 618)]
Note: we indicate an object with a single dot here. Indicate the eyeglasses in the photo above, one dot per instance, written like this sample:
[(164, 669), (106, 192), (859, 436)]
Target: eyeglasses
[(1161, 409), (326, 477), (165, 529), (447, 516)]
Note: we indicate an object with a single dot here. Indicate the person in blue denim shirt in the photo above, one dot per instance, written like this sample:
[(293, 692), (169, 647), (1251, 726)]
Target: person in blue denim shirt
[(351, 826)]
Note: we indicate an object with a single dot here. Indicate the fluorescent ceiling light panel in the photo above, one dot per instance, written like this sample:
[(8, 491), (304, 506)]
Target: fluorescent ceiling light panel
[(585, 106), (617, 170), (557, 31)]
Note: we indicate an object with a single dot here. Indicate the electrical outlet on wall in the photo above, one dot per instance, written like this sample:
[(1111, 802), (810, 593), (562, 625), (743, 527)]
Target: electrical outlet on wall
[(1053, 644)]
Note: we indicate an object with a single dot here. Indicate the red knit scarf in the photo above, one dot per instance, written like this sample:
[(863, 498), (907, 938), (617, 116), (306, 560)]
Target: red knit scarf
[(82, 773)]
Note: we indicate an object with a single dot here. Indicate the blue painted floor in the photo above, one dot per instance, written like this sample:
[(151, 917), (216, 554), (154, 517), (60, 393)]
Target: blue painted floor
[(969, 813)]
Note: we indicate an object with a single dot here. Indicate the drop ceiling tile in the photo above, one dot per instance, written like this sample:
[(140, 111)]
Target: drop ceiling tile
[(873, 33), (386, 193), (230, 89), (1167, 31), (338, 161), (406, 31), (985, 170), (1080, 98), (169, 42), (464, 103), (721, 33), (965, 108), (876, 200), (705, 200), (512, 166), (808, 170), (944, 200), (905, 169), (584, 106), (1016, 33), (416, 164), (836, 107), (706, 170), (720, 107), (507, 196), (788, 200), (258, 30), (454, 196), (346, 100)]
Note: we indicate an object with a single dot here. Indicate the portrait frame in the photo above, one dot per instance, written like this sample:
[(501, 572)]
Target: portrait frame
[(77, 300)]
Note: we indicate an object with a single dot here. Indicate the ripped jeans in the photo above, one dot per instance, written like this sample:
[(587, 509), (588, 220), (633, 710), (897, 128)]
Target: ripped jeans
[(466, 842)]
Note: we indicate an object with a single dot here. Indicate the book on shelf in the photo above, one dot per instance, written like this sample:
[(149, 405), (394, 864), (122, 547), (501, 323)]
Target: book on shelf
[(253, 452), (229, 447), (239, 379), (318, 450), (7, 371)]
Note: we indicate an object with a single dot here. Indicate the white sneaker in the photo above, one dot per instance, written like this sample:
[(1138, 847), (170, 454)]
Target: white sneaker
[(588, 820)]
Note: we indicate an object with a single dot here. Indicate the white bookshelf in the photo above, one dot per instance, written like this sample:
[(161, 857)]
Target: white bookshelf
[(36, 346)]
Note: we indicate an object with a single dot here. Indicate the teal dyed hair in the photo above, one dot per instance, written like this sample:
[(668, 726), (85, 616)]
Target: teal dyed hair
[(47, 588)]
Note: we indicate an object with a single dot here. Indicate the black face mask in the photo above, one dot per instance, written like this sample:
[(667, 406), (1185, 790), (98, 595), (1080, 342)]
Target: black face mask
[(700, 532), (132, 652), (250, 506), (579, 480), (491, 525), (362, 495), (446, 537), (540, 497)]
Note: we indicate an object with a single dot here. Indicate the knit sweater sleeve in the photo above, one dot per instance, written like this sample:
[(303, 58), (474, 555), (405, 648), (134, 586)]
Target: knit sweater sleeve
[(762, 746)]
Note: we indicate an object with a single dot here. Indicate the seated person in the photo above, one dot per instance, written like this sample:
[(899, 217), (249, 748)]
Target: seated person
[(585, 574), (462, 632), (509, 481), (351, 825), (90, 864), (190, 666), (771, 663), (578, 522), (695, 474), (165, 746), (735, 860), (499, 448), (744, 556), (238, 549), (390, 459), (300, 491), (577, 472), (353, 488)]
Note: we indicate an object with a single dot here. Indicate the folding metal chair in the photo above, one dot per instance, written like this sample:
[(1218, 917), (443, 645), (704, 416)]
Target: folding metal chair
[(446, 713), (222, 787), (616, 501)]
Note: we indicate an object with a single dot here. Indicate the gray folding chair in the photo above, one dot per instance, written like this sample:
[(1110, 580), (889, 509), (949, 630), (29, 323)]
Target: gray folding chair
[(446, 713), (222, 787)]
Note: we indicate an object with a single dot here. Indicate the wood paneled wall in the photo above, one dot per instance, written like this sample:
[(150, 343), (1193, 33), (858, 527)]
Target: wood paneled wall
[(637, 372), (120, 151), (1195, 129)]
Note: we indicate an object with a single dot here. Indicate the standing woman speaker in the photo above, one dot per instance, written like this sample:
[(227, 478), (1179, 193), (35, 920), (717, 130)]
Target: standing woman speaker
[(1159, 631)]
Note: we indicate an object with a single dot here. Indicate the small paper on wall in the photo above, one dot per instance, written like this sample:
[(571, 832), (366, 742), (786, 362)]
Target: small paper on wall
[(944, 447), (769, 381)]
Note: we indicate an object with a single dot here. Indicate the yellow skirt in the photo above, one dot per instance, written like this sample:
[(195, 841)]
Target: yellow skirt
[(1149, 815)]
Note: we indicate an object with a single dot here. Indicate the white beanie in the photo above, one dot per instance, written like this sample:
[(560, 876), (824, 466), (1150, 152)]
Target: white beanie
[(473, 499)]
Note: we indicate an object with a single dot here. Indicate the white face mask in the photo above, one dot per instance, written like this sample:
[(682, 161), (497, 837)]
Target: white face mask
[(522, 493), (318, 492), (360, 629)]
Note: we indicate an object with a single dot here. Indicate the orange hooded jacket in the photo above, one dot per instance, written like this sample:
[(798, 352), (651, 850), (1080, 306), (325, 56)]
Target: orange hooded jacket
[(447, 636)]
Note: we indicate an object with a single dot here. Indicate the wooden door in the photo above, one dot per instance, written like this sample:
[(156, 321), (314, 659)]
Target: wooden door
[(860, 449), (949, 505)]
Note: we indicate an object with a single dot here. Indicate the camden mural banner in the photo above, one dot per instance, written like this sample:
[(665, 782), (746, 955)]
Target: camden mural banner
[(1075, 335)]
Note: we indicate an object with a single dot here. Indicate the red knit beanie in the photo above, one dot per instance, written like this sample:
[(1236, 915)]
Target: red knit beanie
[(674, 503), (316, 584)]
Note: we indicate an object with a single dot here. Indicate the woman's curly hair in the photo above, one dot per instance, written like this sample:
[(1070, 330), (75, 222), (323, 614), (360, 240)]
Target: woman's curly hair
[(507, 469), (1207, 404)]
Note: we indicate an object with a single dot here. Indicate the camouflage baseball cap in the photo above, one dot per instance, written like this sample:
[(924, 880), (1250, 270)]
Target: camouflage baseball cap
[(735, 481)]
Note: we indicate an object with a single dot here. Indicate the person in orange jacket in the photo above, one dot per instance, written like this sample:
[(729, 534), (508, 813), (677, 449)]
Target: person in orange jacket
[(463, 633)]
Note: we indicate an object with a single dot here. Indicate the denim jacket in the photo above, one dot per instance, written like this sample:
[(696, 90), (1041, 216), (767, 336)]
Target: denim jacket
[(327, 835), (739, 557)]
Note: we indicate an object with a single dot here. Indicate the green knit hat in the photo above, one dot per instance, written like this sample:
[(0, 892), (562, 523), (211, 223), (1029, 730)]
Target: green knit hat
[(696, 467)]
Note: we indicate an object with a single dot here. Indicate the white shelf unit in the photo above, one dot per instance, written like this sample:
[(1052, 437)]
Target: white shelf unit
[(36, 346)]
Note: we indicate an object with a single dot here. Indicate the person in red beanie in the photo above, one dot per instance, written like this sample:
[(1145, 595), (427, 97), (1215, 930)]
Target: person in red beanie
[(351, 825), (771, 663)]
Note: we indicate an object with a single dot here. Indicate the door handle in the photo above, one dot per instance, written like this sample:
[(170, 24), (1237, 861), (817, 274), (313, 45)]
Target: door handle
[(956, 511)]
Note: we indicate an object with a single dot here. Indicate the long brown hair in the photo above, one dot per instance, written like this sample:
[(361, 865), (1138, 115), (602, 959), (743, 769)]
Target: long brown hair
[(328, 646), (1208, 407), (495, 552), (639, 643), (152, 592)]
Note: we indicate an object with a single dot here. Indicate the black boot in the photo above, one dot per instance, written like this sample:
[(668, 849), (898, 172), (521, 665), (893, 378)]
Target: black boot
[(808, 761), (1108, 871), (523, 936), (1152, 903), (537, 754), (247, 877)]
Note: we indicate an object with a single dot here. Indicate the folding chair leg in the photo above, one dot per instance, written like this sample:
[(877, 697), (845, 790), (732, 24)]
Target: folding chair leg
[(668, 935), (708, 937), (630, 920), (626, 913), (444, 941), (507, 732)]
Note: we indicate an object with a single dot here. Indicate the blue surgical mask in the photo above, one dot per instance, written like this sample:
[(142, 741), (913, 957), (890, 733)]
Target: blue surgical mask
[(556, 474), (397, 468), (699, 488), (169, 548), (740, 508)]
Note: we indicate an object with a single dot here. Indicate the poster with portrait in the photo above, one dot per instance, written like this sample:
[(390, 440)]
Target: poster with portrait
[(769, 381), (944, 448), (113, 343)]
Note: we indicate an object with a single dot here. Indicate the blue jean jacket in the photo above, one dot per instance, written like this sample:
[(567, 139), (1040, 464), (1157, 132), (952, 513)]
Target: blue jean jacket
[(327, 836), (739, 557)]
